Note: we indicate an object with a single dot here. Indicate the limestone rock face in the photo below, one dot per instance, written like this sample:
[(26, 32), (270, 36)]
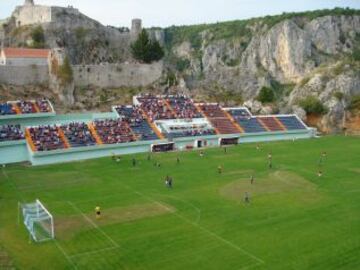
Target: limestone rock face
[(311, 56), (286, 52), (327, 90)]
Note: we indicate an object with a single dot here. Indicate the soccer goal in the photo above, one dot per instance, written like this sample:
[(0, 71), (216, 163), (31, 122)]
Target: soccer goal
[(38, 221)]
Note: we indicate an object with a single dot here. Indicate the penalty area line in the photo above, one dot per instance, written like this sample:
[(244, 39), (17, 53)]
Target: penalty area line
[(68, 258), (94, 224), (93, 252), (220, 238)]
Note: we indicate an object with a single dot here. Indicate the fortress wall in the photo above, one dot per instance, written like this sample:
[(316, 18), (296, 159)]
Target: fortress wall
[(23, 75), (26, 15), (111, 75), (65, 10), (117, 75)]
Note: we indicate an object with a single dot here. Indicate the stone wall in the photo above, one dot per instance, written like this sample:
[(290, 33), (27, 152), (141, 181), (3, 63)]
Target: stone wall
[(24, 75), (106, 76), (28, 62), (25, 15), (117, 75)]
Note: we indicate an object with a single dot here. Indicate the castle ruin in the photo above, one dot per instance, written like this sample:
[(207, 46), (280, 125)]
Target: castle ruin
[(30, 13), (136, 28)]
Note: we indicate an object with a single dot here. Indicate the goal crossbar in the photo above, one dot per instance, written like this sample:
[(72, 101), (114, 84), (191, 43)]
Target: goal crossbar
[(38, 221)]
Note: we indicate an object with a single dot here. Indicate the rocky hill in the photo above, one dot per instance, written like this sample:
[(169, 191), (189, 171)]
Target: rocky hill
[(294, 55), (309, 62), (85, 40)]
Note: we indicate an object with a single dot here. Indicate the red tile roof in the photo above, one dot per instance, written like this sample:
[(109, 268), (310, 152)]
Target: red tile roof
[(26, 53)]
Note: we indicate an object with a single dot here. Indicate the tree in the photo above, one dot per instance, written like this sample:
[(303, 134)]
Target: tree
[(266, 95), (38, 37), (65, 72), (146, 50), (313, 105), (355, 103), (156, 52)]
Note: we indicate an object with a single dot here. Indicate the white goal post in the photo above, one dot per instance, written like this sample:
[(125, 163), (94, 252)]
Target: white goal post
[(38, 221)]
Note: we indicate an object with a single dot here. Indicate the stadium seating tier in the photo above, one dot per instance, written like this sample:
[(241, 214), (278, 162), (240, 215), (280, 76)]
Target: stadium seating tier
[(11, 133)]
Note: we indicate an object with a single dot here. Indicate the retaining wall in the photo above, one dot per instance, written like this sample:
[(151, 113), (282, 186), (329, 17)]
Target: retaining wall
[(117, 75), (24, 75)]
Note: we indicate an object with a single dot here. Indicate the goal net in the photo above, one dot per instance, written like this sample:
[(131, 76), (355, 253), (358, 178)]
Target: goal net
[(38, 221)]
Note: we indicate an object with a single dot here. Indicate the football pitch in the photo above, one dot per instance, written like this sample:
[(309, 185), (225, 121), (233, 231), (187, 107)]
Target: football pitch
[(294, 220)]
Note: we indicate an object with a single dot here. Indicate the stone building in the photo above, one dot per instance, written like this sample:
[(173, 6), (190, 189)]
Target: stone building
[(24, 57), (136, 27), (30, 13)]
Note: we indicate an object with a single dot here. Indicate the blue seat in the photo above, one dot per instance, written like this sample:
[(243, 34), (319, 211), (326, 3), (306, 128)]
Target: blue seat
[(73, 135), (141, 128), (250, 125), (6, 109), (291, 122)]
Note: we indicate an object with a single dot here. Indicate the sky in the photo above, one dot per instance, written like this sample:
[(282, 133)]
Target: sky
[(181, 12)]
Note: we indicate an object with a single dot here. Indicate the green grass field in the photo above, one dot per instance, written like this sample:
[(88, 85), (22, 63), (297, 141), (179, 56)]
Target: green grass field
[(295, 220)]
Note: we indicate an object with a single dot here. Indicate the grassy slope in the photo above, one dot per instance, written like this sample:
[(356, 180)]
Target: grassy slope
[(298, 222)]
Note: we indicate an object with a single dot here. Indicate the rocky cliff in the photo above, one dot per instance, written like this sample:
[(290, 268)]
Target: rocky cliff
[(295, 55)]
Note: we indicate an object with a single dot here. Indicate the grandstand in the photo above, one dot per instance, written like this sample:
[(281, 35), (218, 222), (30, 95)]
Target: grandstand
[(21, 107), (32, 131), (11, 133)]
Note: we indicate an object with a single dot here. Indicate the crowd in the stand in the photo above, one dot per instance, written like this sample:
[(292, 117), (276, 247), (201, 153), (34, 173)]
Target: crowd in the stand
[(46, 138), (183, 107), (192, 132), (137, 122), (78, 134), (113, 131), (155, 108), (6, 109), (195, 130), (43, 105), (11, 133), (132, 115), (25, 107)]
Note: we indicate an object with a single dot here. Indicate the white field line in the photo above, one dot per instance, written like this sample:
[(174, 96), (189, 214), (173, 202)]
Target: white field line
[(68, 258), (198, 210), (13, 184), (200, 227), (94, 224), (55, 241), (93, 252)]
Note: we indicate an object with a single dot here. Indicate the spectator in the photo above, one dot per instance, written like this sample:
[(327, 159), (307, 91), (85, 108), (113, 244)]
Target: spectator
[(11, 133)]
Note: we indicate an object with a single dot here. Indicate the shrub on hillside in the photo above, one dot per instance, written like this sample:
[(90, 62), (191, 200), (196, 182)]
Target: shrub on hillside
[(356, 55), (339, 96), (146, 50), (38, 37), (313, 105), (266, 95), (355, 103), (182, 64), (65, 73)]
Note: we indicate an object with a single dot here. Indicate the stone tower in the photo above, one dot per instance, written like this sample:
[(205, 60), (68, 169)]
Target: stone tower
[(29, 3), (135, 28)]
